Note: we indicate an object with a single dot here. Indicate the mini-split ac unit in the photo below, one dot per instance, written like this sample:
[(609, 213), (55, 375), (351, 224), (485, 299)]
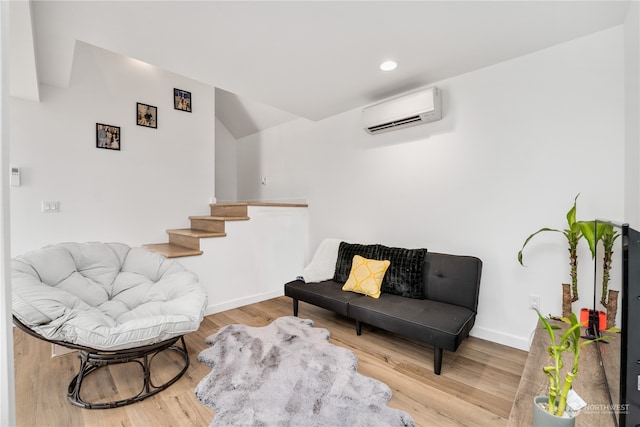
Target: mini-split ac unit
[(407, 110)]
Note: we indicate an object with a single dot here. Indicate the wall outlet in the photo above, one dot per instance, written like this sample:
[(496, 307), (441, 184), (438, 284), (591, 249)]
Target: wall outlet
[(534, 302), (263, 180), (49, 206)]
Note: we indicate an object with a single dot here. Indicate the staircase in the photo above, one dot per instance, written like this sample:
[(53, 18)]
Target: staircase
[(186, 241)]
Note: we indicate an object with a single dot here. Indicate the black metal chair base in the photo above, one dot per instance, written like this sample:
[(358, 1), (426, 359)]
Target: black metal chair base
[(90, 361)]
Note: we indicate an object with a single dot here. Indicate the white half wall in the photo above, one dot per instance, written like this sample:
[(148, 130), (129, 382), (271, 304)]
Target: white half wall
[(517, 142), (158, 178), (256, 258)]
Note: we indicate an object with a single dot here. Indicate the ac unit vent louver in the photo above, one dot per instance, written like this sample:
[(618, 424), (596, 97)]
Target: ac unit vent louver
[(404, 111), (408, 120)]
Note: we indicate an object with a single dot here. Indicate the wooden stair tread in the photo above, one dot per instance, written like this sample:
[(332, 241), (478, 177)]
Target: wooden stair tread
[(221, 218), (169, 250), (207, 217), (190, 232)]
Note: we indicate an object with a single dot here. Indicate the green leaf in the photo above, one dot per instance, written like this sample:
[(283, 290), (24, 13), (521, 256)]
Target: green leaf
[(589, 233), (593, 233), (571, 215), (576, 332), (573, 330), (531, 236), (549, 329), (609, 236)]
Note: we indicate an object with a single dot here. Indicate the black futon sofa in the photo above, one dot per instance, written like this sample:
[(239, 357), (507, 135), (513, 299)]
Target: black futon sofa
[(441, 314)]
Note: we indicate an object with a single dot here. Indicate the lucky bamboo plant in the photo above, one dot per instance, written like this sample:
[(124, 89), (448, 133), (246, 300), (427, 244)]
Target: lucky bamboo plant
[(595, 232), (568, 342), (573, 234), (609, 237)]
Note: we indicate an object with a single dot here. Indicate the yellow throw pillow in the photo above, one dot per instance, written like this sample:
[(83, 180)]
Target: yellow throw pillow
[(366, 276)]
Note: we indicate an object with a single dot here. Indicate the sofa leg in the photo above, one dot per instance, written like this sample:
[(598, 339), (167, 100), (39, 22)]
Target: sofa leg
[(295, 307), (358, 328), (437, 360)]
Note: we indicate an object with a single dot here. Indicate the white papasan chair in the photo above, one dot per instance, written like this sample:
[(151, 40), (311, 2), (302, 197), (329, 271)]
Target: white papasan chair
[(113, 303)]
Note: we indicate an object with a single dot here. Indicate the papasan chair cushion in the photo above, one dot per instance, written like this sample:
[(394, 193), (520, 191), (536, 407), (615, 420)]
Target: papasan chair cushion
[(105, 296)]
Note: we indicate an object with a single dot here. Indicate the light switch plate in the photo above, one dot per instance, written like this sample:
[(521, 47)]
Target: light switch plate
[(50, 206)]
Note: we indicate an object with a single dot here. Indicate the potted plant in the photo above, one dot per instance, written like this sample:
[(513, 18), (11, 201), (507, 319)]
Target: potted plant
[(573, 234), (595, 232), (609, 297), (551, 410)]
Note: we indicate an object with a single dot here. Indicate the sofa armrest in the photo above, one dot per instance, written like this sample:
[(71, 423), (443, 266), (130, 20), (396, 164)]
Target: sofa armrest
[(453, 279)]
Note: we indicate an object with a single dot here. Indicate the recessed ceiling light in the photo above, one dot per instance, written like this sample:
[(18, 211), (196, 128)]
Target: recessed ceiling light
[(388, 65)]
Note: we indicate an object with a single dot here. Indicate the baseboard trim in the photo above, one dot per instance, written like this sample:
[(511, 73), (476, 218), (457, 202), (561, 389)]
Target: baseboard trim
[(240, 302), (501, 338)]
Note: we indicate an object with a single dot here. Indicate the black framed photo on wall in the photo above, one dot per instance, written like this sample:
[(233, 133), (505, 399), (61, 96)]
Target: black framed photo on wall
[(108, 137), (146, 115), (182, 100)]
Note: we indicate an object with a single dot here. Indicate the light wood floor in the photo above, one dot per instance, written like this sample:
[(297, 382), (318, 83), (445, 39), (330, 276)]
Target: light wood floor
[(477, 385)]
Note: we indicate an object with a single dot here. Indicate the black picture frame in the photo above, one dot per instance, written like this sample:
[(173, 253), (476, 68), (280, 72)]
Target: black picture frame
[(146, 115), (108, 137), (182, 100)]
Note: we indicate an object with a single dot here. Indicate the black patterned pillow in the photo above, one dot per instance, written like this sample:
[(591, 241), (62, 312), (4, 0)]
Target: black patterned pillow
[(404, 275), (346, 251)]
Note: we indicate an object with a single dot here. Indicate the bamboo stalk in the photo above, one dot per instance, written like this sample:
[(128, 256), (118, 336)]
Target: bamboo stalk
[(566, 300), (612, 308), (573, 263), (605, 277)]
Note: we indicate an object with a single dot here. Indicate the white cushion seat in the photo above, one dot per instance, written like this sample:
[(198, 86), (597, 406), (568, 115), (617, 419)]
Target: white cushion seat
[(105, 296)]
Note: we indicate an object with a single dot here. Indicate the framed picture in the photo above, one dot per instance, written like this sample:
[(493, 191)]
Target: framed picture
[(107, 136), (147, 115), (181, 100)]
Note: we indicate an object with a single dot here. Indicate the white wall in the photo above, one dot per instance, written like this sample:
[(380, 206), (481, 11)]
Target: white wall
[(7, 382), (517, 142), (256, 258), (159, 178), (282, 155), (226, 160)]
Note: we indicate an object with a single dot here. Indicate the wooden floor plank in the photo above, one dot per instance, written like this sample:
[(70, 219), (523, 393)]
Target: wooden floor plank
[(476, 388)]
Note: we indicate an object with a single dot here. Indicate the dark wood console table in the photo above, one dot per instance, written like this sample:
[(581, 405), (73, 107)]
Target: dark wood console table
[(590, 383)]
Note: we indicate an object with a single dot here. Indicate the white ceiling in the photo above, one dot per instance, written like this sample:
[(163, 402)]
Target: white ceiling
[(302, 58)]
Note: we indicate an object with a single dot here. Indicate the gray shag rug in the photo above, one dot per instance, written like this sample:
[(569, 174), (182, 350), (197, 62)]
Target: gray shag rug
[(288, 374)]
